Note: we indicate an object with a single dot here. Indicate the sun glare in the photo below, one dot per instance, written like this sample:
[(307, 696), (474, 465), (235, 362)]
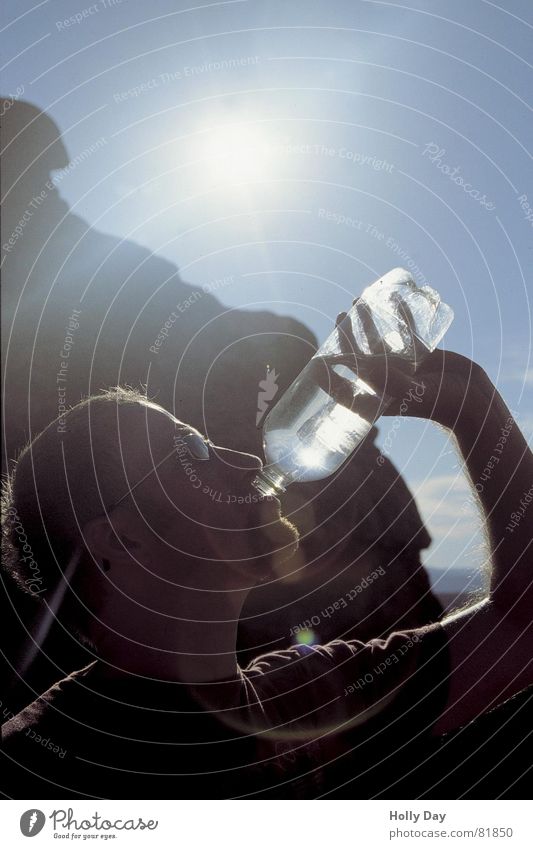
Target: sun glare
[(237, 153), (311, 456)]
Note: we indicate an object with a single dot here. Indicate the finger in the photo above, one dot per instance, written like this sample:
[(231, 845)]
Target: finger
[(376, 343), (346, 338), (347, 393), (405, 313), (386, 375), (408, 331), (339, 388)]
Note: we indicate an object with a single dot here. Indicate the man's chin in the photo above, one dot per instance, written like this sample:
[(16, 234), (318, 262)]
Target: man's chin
[(291, 533), (275, 544)]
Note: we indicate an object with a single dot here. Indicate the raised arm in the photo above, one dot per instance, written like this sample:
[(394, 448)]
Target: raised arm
[(490, 644)]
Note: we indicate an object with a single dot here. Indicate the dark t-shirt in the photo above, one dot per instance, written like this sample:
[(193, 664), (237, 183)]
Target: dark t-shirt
[(293, 724)]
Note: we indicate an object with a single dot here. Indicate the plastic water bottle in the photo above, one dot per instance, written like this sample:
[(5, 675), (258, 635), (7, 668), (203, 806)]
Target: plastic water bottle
[(308, 434)]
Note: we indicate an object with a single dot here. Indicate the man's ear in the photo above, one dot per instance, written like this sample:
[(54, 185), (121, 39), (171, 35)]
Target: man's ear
[(106, 540)]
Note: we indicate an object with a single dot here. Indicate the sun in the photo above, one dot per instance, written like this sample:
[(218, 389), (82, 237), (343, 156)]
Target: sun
[(237, 153)]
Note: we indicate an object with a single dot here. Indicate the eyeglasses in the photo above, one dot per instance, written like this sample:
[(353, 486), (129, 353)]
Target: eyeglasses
[(188, 441), (195, 444)]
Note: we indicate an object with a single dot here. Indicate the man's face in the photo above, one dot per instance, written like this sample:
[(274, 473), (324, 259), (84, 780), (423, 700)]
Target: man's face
[(199, 502)]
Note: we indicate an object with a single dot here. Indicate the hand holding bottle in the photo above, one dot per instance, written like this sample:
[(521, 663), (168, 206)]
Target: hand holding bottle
[(380, 368), (437, 386), (364, 367)]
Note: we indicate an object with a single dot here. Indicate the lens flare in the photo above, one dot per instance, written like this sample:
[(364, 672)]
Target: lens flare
[(307, 637)]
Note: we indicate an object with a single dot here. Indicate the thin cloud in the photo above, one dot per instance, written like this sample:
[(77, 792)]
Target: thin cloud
[(520, 375), (448, 507)]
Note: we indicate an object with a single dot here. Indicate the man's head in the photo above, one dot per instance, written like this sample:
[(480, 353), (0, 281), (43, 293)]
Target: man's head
[(145, 507)]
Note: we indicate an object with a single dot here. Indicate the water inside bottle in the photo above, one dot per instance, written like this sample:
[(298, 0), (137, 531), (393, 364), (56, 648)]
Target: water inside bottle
[(311, 436)]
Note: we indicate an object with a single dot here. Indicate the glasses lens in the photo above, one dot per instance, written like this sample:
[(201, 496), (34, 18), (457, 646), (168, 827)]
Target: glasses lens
[(194, 444)]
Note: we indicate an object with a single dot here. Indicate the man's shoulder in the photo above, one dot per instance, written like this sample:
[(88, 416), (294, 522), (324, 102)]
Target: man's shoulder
[(303, 656), (352, 673), (49, 709), (299, 658)]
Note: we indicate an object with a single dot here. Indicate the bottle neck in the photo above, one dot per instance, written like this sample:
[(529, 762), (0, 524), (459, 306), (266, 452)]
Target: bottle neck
[(271, 480)]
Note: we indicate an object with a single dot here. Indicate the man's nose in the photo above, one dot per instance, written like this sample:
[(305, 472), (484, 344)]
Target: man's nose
[(238, 459)]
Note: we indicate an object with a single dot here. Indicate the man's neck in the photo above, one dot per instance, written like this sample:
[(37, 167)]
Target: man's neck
[(196, 644)]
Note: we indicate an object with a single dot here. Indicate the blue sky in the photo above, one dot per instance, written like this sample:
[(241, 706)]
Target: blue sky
[(305, 148)]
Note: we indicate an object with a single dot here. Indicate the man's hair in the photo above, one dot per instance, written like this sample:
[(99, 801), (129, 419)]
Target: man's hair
[(70, 473)]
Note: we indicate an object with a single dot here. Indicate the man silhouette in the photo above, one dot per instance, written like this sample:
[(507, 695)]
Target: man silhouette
[(152, 537), (84, 310)]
